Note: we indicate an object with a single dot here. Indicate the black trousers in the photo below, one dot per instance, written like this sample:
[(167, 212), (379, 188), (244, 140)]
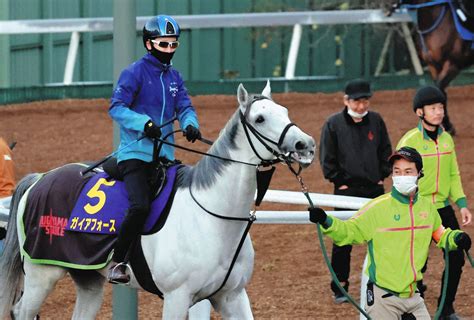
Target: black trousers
[(456, 262), (341, 255), (136, 175)]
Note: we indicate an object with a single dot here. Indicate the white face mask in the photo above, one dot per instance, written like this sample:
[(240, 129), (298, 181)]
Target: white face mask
[(355, 114), (405, 184)]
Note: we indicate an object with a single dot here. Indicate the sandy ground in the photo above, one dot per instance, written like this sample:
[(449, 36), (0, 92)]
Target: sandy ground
[(290, 280)]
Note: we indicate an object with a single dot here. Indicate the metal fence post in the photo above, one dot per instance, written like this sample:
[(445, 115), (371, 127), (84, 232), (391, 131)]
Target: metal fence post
[(125, 301)]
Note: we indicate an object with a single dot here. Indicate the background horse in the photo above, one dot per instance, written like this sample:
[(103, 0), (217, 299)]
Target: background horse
[(191, 256), (439, 43)]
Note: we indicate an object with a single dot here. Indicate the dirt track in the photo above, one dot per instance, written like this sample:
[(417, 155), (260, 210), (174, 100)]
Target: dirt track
[(290, 279)]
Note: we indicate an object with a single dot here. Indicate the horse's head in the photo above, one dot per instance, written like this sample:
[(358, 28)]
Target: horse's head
[(270, 132)]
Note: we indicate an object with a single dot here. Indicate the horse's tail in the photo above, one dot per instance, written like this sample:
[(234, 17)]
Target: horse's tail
[(10, 260)]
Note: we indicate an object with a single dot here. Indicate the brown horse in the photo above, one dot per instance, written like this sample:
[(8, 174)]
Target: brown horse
[(439, 43)]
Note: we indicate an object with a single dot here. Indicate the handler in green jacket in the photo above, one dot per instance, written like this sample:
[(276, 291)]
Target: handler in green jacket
[(398, 228), (442, 180)]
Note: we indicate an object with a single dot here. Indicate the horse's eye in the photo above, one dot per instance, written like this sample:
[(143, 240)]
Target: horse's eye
[(260, 119)]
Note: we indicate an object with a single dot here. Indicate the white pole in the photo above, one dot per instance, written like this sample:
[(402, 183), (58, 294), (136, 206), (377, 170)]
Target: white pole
[(293, 52), (71, 58), (412, 50), (319, 199)]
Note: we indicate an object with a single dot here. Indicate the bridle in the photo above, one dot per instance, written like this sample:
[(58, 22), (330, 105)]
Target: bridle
[(279, 157)]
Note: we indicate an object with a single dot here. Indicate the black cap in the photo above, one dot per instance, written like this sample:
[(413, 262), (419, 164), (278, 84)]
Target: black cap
[(357, 89), (409, 154), (428, 95)]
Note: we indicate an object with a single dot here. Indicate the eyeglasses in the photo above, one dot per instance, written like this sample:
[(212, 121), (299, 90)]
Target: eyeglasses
[(166, 44)]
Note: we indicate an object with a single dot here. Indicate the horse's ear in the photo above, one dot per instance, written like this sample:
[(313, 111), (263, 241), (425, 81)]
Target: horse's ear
[(242, 96), (267, 91)]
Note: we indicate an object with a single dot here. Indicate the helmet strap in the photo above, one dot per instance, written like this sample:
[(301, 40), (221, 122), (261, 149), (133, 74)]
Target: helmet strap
[(422, 117)]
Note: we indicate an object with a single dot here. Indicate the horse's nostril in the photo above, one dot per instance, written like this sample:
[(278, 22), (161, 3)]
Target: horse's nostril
[(300, 145)]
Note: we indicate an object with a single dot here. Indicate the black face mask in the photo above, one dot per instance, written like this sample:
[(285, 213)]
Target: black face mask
[(163, 57)]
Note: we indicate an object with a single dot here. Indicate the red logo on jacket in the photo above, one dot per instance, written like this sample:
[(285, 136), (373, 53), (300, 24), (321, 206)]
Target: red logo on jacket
[(370, 136)]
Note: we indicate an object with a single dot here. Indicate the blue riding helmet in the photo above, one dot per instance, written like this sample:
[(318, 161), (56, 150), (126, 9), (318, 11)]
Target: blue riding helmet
[(160, 26)]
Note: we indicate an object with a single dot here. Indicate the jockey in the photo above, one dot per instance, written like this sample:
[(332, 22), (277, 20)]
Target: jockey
[(149, 93), (398, 228)]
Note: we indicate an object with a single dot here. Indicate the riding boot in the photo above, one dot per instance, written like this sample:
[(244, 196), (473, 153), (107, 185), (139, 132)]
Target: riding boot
[(128, 233)]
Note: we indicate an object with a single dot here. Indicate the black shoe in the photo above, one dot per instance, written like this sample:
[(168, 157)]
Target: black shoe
[(340, 299), (118, 274), (422, 288)]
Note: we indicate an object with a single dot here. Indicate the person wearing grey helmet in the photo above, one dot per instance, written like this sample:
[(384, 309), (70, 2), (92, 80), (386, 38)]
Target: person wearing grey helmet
[(148, 94)]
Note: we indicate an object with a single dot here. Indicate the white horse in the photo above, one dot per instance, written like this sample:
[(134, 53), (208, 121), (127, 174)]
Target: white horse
[(191, 256)]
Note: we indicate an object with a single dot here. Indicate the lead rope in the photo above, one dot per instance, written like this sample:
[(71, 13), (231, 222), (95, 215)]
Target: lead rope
[(445, 284), (305, 191)]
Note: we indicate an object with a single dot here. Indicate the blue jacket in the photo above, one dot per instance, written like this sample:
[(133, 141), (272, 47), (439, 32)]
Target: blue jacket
[(149, 90)]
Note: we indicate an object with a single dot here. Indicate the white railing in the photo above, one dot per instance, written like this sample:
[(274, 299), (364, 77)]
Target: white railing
[(230, 20)]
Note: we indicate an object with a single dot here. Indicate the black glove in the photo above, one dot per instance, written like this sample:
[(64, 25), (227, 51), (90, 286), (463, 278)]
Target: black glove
[(317, 215), (463, 241), (152, 130), (192, 133)]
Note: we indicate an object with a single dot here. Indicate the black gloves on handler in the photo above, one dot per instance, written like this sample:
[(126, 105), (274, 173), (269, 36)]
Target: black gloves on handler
[(463, 241), (317, 215), (192, 133), (152, 130)]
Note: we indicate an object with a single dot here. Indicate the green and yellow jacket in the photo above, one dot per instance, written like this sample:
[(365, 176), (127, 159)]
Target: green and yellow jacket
[(442, 180), (398, 231)]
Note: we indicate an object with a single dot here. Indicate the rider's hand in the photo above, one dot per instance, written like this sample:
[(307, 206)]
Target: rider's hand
[(192, 133), (317, 215), (463, 241), (152, 130)]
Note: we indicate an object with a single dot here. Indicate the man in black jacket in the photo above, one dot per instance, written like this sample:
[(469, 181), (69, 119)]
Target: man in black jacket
[(354, 152)]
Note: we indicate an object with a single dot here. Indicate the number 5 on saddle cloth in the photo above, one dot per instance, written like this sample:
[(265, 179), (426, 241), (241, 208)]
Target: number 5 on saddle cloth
[(77, 228)]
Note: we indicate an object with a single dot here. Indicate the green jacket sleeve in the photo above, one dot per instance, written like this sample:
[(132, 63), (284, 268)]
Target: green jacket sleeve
[(456, 192), (354, 231)]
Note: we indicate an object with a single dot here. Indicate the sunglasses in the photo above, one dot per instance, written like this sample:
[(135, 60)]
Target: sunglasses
[(166, 44)]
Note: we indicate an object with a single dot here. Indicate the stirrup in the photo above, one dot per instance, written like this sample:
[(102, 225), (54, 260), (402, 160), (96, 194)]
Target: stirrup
[(112, 270)]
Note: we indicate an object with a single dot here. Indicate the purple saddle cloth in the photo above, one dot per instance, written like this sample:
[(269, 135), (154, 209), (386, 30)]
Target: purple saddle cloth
[(72, 220), (103, 204)]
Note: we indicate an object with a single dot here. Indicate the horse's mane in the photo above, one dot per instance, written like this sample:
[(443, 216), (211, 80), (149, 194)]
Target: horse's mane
[(206, 171)]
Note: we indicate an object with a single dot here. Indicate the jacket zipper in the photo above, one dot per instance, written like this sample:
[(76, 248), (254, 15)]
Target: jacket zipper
[(412, 245), (437, 173)]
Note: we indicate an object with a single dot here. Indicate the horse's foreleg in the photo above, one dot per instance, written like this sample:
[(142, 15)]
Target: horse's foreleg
[(448, 72), (176, 305), (233, 305), (39, 281), (90, 288)]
